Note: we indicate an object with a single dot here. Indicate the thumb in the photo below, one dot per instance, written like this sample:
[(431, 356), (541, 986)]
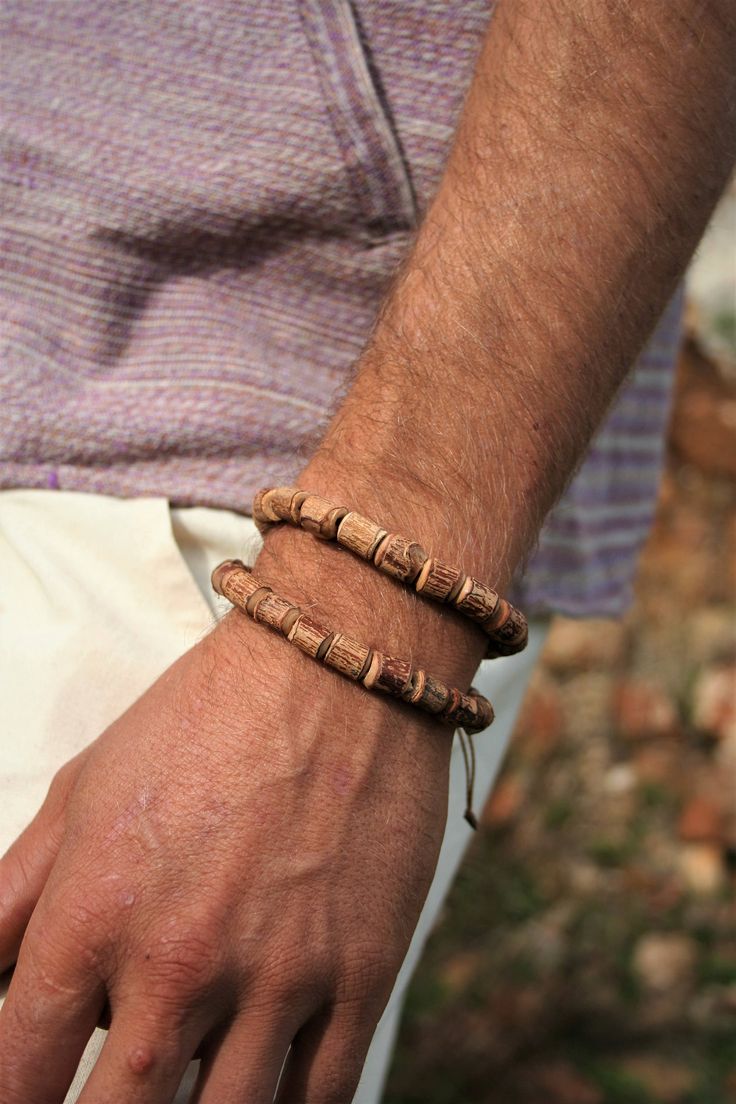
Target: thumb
[(25, 866)]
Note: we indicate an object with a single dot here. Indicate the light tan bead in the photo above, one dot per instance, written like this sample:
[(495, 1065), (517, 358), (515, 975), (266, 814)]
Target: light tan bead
[(308, 634), (369, 677), (232, 579), (476, 600), (295, 506), (346, 655), (320, 517), (437, 580), (399, 557), (360, 535), (278, 501), (258, 596), (272, 610)]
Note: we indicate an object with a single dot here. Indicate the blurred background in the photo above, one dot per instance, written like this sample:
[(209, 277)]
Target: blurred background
[(587, 953)]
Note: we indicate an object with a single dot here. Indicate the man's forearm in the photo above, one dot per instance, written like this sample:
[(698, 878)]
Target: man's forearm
[(594, 142)]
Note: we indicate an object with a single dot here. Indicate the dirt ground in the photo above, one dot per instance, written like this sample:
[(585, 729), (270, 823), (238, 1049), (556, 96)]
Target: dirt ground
[(587, 953)]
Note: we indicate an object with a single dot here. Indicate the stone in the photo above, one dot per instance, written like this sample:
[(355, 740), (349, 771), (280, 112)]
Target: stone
[(504, 802), (665, 1079), (701, 868), (644, 710), (558, 1082), (701, 821), (714, 701), (540, 724), (665, 961), (581, 645)]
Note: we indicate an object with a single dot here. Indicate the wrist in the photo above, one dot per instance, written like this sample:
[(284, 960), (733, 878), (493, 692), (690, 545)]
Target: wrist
[(353, 596)]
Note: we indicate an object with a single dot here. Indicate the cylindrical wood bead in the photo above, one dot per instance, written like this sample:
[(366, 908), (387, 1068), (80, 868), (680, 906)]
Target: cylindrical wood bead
[(232, 579), (251, 606), (308, 634), (497, 618), (510, 636), (388, 673), (454, 699), (278, 501), (360, 535), (320, 517), (399, 557), (262, 512), (478, 601), (436, 580), (434, 696), (272, 610), (415, 687), (347, 656)]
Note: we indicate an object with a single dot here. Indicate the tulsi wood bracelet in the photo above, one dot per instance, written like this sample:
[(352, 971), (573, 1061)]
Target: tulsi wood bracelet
[(469, 713), (404, 559)]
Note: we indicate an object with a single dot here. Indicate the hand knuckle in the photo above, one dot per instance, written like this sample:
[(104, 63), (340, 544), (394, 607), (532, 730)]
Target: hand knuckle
[(181, 960)]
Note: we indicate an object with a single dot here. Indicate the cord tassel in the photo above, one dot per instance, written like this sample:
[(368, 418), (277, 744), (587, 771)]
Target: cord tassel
[(468, 749)]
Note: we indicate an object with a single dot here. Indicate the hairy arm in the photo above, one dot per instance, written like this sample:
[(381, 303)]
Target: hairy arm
[(595, 139), (237, 864)]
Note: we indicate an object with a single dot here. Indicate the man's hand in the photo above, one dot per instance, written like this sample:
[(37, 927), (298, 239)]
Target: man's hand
[(238, 862)]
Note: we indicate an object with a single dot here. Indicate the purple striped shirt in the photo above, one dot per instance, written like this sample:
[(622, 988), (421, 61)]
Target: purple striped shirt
[(202, 203)]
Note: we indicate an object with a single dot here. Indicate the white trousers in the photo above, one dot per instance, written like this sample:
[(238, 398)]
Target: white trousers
[(98, 595)]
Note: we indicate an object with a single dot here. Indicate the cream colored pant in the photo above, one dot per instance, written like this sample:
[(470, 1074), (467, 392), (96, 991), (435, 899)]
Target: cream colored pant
[(98, 596)]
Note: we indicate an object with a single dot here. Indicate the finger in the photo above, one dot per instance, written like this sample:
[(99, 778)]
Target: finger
[(146, 1055), (51, 1010), (244, 1066), (326, 1058), (25, 867)]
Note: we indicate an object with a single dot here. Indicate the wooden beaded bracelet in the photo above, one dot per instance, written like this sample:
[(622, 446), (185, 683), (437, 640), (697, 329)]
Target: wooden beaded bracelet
[(399, 557), (469, 713)]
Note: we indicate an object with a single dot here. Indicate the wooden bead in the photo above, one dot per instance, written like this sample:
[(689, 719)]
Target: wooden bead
[(510, 636), (434, 695), (347, 656), (262, 522), (437, 580), (360, 535), (278, 501), (388, 673), (415, 686), (454, 698), (320, 517), (288, 621), (258, 595), (308, 634), (232, 579), (468, 714), (476, 600), (272, 610), (399, 557), (497, 618)]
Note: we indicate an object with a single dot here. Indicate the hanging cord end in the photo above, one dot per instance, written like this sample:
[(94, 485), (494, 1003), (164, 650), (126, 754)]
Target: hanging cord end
[(468, 750), (471, 818)]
